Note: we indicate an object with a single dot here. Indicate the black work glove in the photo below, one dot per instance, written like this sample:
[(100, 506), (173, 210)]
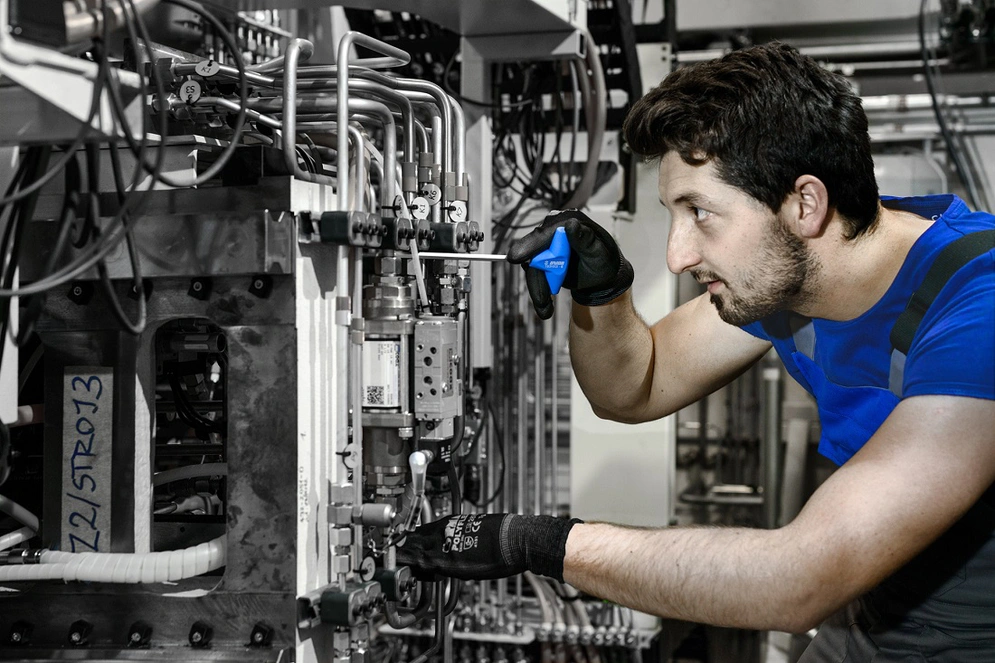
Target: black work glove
[(487, 546), (597, 272)]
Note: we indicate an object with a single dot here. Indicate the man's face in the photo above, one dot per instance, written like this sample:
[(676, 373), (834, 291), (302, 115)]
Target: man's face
[(752, 264)]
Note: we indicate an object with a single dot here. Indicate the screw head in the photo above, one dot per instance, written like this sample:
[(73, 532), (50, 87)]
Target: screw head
[(15, 636), (136, 637), (258, 637), (196, 637), (197, 286), (77, 291), (257, 284), (76, 636)]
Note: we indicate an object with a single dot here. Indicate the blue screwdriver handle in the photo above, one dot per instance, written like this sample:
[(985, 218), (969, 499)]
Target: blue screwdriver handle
[(554, 260)]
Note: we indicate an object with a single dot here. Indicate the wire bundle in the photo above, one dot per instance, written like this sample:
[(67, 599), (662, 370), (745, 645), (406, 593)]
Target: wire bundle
[(94, 238)]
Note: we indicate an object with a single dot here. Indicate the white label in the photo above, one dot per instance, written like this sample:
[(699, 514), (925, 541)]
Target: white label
[(87, 433), (432, 193), (381, 373), (207, 68), (190, 91), (457, 211), (419, 208)]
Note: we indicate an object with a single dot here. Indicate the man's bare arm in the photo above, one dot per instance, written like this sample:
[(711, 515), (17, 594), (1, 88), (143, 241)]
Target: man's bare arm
[(928, 463), (632, 372)]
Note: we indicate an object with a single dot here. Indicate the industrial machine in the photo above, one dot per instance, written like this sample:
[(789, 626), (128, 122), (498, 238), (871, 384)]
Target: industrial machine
[(247, 344)]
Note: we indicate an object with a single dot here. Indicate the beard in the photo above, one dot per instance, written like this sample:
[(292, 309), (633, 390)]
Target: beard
[(779, 279)]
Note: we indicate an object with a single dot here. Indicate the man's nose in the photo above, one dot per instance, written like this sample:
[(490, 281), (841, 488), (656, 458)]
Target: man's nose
[(682, 250)]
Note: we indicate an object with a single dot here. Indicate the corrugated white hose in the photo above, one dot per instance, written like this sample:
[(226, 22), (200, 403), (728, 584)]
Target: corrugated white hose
[(17, 536), (18, 513), (167, 566)]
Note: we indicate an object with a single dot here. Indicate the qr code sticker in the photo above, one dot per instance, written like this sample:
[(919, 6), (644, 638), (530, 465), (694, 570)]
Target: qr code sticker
[(375, 395)]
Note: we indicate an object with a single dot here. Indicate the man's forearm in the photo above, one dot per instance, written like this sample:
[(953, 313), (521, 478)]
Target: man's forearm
[(737, 577), (611, 350)]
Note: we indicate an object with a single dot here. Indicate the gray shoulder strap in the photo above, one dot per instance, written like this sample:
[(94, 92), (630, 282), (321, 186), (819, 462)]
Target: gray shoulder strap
[(803, 334)]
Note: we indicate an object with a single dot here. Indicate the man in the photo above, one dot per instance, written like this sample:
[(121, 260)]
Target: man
[(766, 169)]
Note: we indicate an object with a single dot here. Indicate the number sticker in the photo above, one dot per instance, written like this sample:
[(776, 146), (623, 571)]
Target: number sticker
[(207, 68), (190, 91)]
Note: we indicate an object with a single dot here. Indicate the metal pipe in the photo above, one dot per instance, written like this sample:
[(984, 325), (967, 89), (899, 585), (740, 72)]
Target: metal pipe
[(772, 443), (422, 135), (538, 432), (401, 101), (459, 134), (891, 49), (375, 109), (440, 627), (555, 420), (229, 104), (439, 149), (295, 49), (360, 144), (355, 371), (342, 98), (384, 114)]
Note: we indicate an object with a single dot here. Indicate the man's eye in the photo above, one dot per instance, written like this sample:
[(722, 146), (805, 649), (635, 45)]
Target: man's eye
[(699, 214)]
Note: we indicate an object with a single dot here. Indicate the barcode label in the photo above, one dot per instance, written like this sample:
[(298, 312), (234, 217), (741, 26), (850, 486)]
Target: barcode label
[(381, 373), (375, 395)]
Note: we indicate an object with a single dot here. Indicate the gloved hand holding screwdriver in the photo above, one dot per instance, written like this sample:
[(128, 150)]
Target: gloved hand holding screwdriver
[(597, 272), (485, 546)]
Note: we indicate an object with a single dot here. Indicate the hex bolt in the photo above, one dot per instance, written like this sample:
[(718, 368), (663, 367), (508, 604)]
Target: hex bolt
[(261, 636), (80, 293), (79, 633), (200, 634), (139, 634), (262, 286), (20, 633)]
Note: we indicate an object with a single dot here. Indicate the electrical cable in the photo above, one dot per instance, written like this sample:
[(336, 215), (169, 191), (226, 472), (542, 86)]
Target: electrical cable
[(955, 155), (243, 95), (92, 254), (137, 327), (20, 215), (67, 217), (18, 513), (189, 472), (476, 102), (98, 86), (499, 489)]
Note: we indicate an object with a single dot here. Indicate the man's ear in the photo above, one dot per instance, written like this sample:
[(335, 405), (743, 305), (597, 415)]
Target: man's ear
[(810, 207)]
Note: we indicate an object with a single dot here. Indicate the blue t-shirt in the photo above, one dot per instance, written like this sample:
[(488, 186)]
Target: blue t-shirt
[(952, 353)]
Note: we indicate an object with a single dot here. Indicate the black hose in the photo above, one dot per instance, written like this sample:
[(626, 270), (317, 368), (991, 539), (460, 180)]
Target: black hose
[(955, 155)]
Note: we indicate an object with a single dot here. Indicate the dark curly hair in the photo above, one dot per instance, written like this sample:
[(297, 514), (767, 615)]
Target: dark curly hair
[(765, 115)]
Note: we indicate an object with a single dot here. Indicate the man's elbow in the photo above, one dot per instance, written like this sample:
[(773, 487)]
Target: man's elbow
[(627, 415), (814, 601)]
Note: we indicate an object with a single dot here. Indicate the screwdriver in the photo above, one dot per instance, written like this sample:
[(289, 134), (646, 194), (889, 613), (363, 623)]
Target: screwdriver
[(553, 261)]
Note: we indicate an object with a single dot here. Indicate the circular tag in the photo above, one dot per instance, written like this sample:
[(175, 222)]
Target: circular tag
[(190, 91), (457, 211), (207, 68), (419, 208), (367, 568), (432, 193)]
